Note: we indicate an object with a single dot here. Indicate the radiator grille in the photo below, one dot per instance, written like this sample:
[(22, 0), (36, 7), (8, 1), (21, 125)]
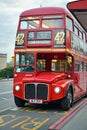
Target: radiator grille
[(30, 91), (36, 91)]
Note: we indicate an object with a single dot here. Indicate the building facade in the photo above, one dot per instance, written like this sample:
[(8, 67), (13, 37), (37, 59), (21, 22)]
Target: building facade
[(3, 61)]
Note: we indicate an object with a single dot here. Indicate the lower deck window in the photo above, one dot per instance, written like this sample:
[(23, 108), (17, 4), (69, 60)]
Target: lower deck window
[(24, 62)]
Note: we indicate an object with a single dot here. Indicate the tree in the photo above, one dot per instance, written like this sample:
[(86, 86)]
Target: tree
[(7, 72)]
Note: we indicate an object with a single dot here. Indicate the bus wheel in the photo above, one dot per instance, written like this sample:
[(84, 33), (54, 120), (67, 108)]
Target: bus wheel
[(67, 101), (19, 102)]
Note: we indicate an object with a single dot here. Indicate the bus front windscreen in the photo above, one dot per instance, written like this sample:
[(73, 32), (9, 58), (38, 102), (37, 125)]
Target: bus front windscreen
[(25, 62)]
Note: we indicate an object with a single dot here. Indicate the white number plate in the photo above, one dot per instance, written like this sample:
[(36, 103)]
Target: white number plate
[(36, 101)]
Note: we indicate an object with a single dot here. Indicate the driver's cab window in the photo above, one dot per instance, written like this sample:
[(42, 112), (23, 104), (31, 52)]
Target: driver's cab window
[(61, 65)]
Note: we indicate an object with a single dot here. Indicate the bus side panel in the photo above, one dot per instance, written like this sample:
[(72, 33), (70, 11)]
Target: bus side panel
[(85, 82), (79, 84)]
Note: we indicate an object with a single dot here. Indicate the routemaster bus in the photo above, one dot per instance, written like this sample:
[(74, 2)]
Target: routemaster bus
[(50, 63)]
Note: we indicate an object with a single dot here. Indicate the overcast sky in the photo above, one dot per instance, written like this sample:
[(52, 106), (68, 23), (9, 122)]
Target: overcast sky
[(9, 15)]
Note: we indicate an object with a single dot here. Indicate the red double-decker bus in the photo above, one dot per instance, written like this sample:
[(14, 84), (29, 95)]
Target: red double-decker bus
[(50, 58)]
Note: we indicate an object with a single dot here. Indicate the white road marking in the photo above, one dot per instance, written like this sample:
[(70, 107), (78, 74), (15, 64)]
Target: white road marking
[(5, 109), (6, 92)]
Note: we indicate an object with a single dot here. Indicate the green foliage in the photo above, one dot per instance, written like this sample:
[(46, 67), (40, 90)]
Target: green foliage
[(7, 72)]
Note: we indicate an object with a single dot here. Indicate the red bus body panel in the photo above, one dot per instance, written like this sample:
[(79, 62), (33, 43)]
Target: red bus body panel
[(50, 79)]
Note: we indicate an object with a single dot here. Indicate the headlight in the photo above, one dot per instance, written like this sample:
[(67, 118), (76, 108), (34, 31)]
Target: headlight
[(57, 90), (17, 88)]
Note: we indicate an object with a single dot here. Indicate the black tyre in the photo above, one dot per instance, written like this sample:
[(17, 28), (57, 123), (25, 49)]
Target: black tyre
[(67, 101), (19, 102)]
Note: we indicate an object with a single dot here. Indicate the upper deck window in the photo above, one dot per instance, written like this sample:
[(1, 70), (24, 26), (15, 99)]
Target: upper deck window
[(76, 30), (84, 38), (80, 34), (69, 24), (29, 22), (52, 22)]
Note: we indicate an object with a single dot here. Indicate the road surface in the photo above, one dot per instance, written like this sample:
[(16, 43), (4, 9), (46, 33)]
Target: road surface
[(36, 117)]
